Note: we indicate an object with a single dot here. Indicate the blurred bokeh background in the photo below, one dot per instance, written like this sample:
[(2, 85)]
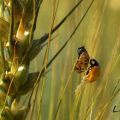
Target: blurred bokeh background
[(100, 34)]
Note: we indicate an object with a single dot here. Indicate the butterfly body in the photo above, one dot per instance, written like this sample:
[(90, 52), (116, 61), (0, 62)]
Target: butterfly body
[(93, 71)]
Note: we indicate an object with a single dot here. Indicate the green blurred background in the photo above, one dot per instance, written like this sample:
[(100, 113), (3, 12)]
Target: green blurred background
[(100, 34)]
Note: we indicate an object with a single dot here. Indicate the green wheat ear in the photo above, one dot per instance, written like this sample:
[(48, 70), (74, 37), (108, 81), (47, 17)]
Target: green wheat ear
[(16, 34)]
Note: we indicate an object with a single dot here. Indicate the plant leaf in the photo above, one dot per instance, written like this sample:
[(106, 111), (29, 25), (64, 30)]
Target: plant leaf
[(36, 47), (29, 83), (45, 36)]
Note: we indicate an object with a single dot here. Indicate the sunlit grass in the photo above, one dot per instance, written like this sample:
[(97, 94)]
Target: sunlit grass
[(59, 94), (96, 98)]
